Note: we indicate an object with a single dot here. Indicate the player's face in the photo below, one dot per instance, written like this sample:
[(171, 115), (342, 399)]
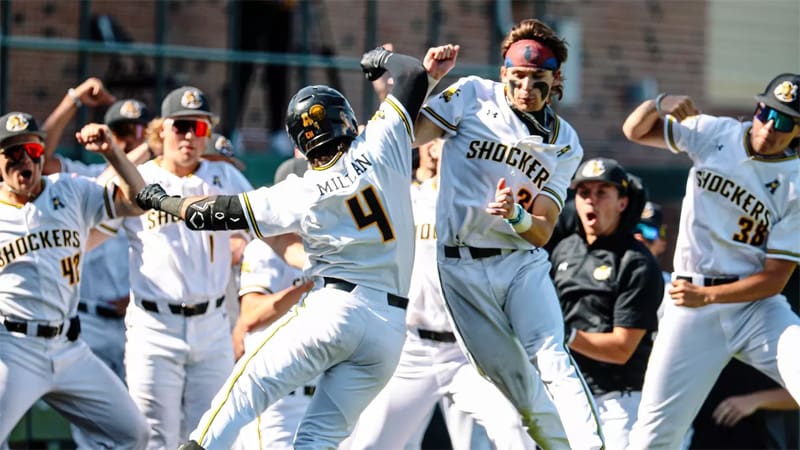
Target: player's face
[(127, 135), (429, 155), (599, 207), (527, 88), (772, 130), (21, 163), (184, 139)]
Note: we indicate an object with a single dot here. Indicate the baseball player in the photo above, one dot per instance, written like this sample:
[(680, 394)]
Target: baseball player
[(432, 367), (44, 224), (504, 137), (356, 226), (178, 351), (610, 287), (737, 247)]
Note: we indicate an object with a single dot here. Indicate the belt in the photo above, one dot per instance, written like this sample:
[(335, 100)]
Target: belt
[(182, 309), (100, 310), (41, 330), (438, 336), (308, 391), (708, 281), (342, 285), (475, 252)]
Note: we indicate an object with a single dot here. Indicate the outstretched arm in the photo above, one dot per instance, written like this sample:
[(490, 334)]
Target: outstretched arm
[(200, 212)]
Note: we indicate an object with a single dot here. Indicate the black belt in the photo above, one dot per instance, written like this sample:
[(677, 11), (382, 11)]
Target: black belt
[(100, 310), (308, 391), (438, 336), (475, 252), (342, 285), (182, 309), (45, 331), (709, 281)]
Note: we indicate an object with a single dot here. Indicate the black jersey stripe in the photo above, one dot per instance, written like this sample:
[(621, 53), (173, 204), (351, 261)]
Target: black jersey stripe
[(401, 111), (439, 119), (251, 215)]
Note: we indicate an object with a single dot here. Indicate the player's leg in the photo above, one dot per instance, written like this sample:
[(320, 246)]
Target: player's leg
[(689, 352), (106, 338), (92, 397), (25, 371), (154, 365), (324, 331), (404, 406), (768, 338), (345, 390), (479, 399), (532, 307), (473, 301), (209, 364), (617, 413)]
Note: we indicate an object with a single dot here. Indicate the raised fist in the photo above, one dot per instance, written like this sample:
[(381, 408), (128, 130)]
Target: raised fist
[(373, 63), (151, 197)]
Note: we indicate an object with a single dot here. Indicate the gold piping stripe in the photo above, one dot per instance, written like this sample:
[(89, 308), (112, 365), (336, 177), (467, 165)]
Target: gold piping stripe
[(399, 110), (440, 119), (558, 199), (771, 251), (330, 163), (108, 228), (239, 374), (670, 134), (15, 205), (556, 129), (251, 215)]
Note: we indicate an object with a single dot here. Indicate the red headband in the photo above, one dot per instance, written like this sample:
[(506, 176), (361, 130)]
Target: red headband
[(530, 53)]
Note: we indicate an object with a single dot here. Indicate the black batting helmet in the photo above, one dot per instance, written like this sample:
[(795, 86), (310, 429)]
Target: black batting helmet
[(318, 115)]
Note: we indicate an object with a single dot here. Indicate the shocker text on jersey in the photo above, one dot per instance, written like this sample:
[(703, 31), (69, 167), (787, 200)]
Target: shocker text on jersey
[(11, 250), (513, 156)]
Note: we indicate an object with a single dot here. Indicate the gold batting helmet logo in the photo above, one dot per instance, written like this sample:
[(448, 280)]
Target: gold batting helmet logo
[(130, 110), (786, 92), (17, 122), (593, 168), (192, 99)]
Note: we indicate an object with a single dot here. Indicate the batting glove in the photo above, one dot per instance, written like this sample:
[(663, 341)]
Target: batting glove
[(373, 63), (151, 197)]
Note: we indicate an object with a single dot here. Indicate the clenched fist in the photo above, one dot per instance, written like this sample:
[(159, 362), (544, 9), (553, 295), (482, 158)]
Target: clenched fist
[(373, 63), (151, 197)]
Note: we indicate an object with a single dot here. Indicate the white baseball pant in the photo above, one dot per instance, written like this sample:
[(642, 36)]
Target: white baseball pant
[(692, 347), (74, 382), (509, 319), (175, 365)]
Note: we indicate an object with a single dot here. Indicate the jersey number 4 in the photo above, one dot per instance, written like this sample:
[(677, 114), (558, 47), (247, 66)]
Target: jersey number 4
[(376, 214)]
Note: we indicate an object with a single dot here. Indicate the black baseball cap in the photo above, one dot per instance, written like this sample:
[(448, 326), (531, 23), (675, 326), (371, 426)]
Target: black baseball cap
[(186, 101), (783, 94), (18, 123), (651, 222), (127, 110), (602, 169)]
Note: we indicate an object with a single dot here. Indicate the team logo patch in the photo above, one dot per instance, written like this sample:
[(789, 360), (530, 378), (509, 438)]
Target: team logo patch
[(192, 99), (17, 122), (131, 110), (562, 267), (602, 273), (57, 203), (772, 185), (217, 181), (448, 94), (594, 168), (379, 114), (786, 92)]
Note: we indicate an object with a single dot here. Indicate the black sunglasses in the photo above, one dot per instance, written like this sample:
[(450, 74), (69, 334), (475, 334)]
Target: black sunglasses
[(200, 128)]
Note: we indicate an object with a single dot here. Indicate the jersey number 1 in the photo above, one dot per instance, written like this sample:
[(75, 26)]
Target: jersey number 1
[(376, 215)]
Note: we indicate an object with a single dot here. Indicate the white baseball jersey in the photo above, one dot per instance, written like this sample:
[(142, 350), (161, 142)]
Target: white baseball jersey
[(41, 246), (750, 204), (173, 262), (426, 307), (486, 148), (346, 210), (92, 170)]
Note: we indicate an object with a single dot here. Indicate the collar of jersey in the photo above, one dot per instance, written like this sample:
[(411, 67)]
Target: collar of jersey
[(778, 157), (20, 205), (157, 162)]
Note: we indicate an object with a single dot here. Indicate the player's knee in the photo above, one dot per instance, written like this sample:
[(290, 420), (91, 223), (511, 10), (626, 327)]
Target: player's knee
[(135, 434)]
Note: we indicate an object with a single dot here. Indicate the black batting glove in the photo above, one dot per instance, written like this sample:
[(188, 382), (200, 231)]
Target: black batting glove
[(151, 197), (373, 63)]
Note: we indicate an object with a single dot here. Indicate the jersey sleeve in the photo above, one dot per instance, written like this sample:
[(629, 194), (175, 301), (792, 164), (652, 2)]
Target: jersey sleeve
[(261, 270), (568, 160), (784, 239), (447, 108), (695, 135), (80, 167), (97, 199), (388, 135), (641, 287), (270, 211)]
